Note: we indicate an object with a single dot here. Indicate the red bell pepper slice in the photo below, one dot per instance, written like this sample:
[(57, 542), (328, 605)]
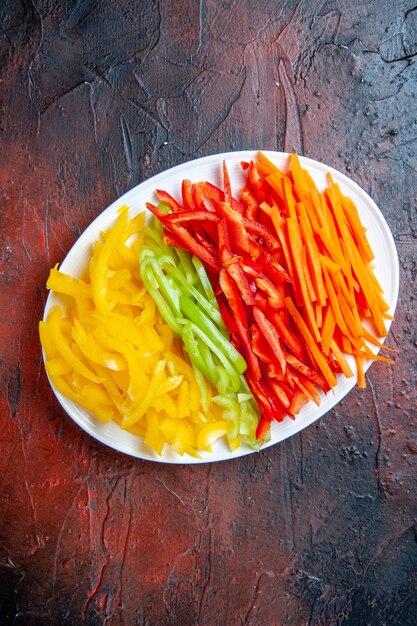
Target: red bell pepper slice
[(288, 337), (262, 231), (298, 401), (275, 294), (273, 269), (213, 193), (307, 371), (271, 336), (157, 212), (228, 319), (249, 202), (226, 185), (258, 183), (185, 240), (228, 286), (187, 195), (267, 400), (190, 216), (260, 346), (263, 427), (250, 267), (251, 359), (167, 199), (231, 263), (282, 395)]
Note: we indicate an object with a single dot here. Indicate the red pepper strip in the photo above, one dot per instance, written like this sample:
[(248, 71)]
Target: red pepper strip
[(198, 197), (226, 185), (297, 403), (288, 337), (275, 294), (263, 427), (260, 346), (261, 301), (273, 269), (274, 371), (254, 248), (170, 239), (223, 234), (191, 205), (227, 318), (250, 267), (280, 393), (271, 336), (235, 228), (198, 249), (262, 231), (187, 195), (250, 203), (202, 229), (266, 400), (167, 199), (185, 240), (306, 387), (251, 359), (157, 212), (231, 262), (213, 193), (189, 216), (257, 183), (231, 293), (201, 239), (308, 372), (244, 165)]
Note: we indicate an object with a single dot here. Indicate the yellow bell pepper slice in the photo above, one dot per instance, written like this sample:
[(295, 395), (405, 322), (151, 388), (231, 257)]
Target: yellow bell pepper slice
[(210, 433)]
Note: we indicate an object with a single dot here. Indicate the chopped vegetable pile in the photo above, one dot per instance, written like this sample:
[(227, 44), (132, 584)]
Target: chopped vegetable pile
[(233, 314)]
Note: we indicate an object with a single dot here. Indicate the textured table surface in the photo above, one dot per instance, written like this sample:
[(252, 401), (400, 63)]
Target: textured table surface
[(97, 96)]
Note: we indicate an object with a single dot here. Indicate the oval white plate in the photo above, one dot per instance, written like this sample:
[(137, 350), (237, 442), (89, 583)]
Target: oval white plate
[(209, 168)]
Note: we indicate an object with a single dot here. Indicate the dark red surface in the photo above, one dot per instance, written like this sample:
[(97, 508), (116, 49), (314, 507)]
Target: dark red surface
[(97, 96)]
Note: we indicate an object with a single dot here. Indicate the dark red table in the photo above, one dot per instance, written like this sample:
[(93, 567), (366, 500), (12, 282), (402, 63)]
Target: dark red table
[(96, 97)]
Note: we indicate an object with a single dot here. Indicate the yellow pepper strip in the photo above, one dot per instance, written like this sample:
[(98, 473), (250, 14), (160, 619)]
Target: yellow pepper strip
[(179, 434), (170, 384), (90, 347), (234, 443), (183, 405), (135, 412), (110, 386), (104, 413), (153, 437), (138, 381), (210, 433), (58, 366), (118, 278), (125, 330), (62, 283), (99, 279), (46, 341), (62, 346), (166, 405), (148, 313), (83, 306)]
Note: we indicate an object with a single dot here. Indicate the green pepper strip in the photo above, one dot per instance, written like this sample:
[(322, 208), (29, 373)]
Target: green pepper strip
[(206, 325), (204, 279), (228, 365), (211, 310)]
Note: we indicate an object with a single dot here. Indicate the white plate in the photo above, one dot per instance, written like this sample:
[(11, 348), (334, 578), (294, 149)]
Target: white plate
[(209, 168)]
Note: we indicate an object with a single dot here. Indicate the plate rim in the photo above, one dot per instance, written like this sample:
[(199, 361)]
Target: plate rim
[(71, 409)]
